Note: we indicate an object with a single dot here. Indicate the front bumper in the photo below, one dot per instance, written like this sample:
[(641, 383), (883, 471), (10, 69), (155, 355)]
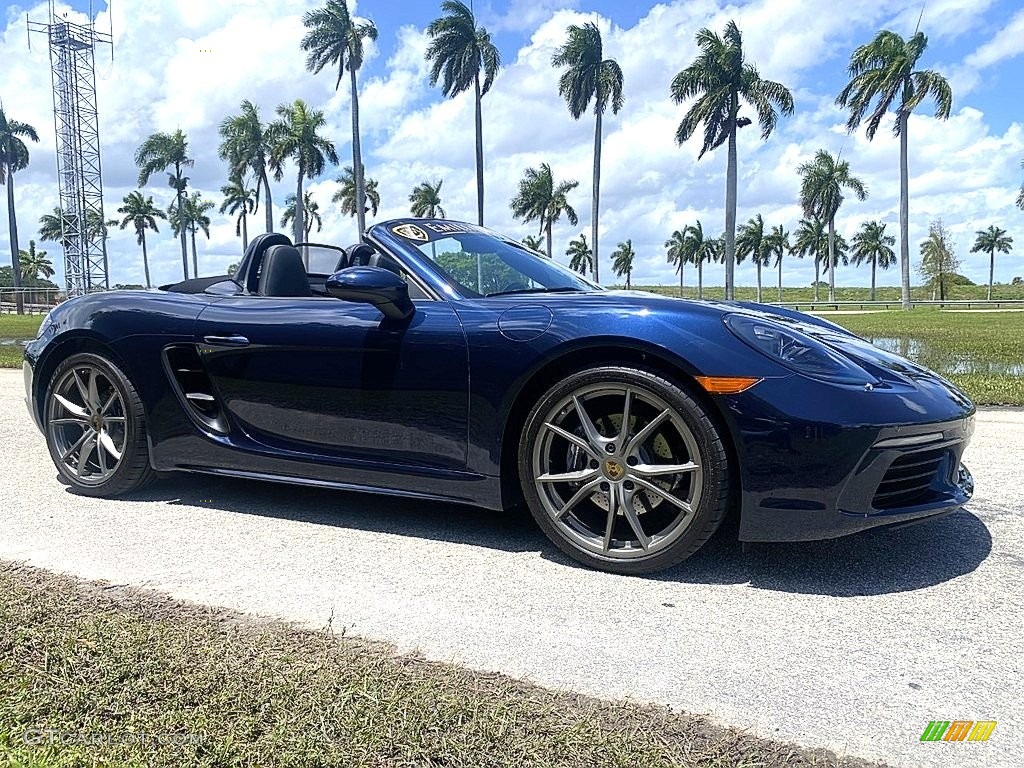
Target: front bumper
[(858, 478), (27, 372)]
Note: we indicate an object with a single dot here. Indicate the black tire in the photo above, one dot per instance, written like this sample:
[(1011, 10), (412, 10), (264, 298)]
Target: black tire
[(124, 427), (547, 449)]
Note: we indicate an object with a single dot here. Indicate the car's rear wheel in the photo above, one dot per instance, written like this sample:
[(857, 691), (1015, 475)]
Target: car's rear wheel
[(623, 470), (95, 427)]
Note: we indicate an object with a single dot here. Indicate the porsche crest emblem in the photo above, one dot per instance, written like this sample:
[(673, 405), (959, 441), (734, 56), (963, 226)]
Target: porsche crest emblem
[(411, 232), (613, 469)]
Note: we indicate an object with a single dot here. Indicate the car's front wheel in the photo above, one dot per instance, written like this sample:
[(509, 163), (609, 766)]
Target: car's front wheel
[(95, 427), (623, 470)]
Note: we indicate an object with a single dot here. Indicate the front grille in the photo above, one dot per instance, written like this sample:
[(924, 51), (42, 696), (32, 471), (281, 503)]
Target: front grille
[(909, 479)]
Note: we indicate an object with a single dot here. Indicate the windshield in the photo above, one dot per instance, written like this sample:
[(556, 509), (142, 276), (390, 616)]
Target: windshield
[(479, 263)]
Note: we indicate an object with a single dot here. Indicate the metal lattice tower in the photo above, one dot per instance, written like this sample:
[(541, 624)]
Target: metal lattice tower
[(76, 120)]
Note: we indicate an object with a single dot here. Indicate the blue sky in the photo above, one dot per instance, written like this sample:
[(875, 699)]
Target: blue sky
[(966, 171)]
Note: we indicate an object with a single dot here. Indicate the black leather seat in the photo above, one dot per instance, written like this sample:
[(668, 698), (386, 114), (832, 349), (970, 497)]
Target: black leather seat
[(248, 273), (360, 255), (283, 273)]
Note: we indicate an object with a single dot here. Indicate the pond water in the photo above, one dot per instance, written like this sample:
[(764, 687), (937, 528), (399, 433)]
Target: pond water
[(942, 361)]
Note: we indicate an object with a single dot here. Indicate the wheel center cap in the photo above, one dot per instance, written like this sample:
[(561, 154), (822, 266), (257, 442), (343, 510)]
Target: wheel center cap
[(614, 470)]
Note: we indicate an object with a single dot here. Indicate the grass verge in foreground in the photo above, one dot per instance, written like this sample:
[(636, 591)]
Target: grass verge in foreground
[(103, 662)]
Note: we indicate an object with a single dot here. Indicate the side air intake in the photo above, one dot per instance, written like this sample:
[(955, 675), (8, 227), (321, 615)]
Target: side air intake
[(194, 388)]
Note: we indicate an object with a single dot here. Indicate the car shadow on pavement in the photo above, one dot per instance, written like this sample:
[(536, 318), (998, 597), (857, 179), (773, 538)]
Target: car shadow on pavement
[(868, 563)]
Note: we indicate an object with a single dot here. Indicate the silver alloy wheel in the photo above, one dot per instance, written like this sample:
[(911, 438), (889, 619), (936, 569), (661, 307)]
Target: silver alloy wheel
[(618, 470), (86, 422)]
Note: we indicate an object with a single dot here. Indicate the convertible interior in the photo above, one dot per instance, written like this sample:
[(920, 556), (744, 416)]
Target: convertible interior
[(272, 266)]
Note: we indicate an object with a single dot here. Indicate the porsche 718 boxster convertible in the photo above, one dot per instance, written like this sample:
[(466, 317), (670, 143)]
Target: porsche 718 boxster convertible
[(439, 360)]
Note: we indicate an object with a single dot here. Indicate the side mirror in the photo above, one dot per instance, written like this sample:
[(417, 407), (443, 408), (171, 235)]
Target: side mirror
[(373, 285)]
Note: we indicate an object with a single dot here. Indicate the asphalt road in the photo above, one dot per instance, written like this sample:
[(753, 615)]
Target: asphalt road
[(853, 644)]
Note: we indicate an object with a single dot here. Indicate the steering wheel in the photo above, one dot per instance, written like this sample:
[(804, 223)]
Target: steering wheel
[(518, 286)]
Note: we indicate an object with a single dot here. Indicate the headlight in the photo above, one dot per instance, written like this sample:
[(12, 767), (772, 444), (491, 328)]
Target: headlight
[(797, 350)]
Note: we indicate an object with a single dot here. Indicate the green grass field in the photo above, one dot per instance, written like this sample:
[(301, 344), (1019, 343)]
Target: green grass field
[(981, 352), (136, 679)]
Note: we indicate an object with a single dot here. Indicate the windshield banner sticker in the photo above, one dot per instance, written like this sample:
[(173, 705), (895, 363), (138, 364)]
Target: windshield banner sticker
[(426, 231), (411, 232)]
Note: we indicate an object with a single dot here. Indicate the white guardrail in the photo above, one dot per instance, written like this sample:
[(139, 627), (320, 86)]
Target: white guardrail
[(818, 306)]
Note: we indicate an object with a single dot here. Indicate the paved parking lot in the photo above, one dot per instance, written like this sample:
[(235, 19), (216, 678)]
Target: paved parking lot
[(853, 644)]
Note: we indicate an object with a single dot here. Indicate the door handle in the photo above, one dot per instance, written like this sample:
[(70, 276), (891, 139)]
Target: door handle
[(234, 340)]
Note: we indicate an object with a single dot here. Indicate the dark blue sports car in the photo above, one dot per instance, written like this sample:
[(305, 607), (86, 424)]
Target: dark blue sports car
[(439, 360)]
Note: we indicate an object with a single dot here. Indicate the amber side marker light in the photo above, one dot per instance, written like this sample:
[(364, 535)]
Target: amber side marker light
[(726, 385)]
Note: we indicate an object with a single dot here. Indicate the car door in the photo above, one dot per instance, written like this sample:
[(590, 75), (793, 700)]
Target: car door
[(319, 377)]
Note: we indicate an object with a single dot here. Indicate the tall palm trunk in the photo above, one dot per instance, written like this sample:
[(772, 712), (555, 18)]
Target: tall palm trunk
[(12, 223), (245, 234), (780, 278), (681, 265), (904, 215), (548, 228), (298, 225), (831, 260), (357, 157), (629, 275), (730, 205), (195, 259), (181, 219), (700, 279), (596, 198), (991, 270), (758, 264), (269, 210), (479, 154), (817, 276), (874, 262), (145, 258)]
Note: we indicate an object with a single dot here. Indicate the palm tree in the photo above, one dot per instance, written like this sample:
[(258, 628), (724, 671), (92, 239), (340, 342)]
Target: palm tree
[(719, 79), (459, 52), (426, 200), (989, 241), (821, 194), (241, 202), (882, 72), (334, 37), (246, 146), (622, 261), (157, 153), (812, 240), (347, 196), (312, 210), (873, 246), (34, 262), (700, 249), (14, 157), (752, 241), (534, 243), (192, 219), (589, 77), (779, 246), (581, 257), (677, 253), (140, 212), (543, 201), (294, 137), (51, 228)]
